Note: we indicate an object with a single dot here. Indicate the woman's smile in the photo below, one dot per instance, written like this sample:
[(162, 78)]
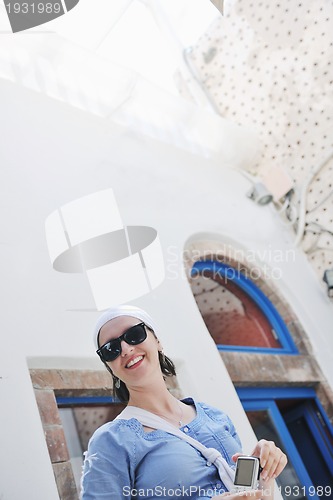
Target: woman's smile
[(134, 362)]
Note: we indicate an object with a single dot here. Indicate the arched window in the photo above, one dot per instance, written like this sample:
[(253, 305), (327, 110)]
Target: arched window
[(237, 313)]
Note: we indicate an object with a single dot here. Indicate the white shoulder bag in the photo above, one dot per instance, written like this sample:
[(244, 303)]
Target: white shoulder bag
[(213, 456)]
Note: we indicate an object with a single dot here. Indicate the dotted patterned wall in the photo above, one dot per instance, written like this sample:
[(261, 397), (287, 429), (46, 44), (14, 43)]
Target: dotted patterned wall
[(268, 65), (88, 419), (231, 316)]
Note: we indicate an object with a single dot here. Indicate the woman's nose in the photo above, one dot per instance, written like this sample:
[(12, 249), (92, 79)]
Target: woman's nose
[(125, 348)]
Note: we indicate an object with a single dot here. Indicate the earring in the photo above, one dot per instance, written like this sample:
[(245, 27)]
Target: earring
[(117, 384)]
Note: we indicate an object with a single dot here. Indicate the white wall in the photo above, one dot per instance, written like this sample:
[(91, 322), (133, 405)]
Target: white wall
[(51, 155)]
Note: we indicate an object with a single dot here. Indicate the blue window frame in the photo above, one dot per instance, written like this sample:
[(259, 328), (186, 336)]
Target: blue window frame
[(265, 305), (309, 448), (85, 400)]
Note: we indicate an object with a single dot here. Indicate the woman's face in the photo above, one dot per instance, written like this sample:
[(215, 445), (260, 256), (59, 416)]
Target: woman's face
[(136, 362)]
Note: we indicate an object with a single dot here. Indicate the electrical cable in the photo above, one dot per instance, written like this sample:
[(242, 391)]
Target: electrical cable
[(286, 206), (313, 248), (302, 209)]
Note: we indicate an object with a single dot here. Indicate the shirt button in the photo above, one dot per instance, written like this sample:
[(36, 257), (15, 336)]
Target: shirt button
[(209, 464), (218, 486), (186, 429)]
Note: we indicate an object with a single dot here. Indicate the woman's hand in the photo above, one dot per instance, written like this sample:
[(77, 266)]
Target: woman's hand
[(272, 459)]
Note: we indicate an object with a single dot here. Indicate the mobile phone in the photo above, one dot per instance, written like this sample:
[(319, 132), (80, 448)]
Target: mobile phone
[(247, 473)]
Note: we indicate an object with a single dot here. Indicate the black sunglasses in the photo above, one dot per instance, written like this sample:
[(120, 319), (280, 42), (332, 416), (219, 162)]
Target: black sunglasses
[(112, 349)]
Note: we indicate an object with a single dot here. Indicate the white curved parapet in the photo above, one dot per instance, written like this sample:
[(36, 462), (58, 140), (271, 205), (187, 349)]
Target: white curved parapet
[(87, 235)]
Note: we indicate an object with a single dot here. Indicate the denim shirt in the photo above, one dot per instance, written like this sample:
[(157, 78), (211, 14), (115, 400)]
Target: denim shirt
[(124, 461)]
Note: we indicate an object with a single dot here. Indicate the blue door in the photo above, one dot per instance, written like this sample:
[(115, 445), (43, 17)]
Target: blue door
[(295, 420), (313, 442)]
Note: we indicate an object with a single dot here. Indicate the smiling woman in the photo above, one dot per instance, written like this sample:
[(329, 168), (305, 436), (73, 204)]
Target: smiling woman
[(107, 336), (152, 456)]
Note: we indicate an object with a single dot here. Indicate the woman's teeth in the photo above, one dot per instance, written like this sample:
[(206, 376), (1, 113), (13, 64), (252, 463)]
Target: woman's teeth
[(133, 361)]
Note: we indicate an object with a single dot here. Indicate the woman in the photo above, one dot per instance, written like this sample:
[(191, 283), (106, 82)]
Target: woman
[(128, 460)]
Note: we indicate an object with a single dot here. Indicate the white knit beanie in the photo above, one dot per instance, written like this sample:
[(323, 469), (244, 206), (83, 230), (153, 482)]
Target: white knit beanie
[(124, 310)]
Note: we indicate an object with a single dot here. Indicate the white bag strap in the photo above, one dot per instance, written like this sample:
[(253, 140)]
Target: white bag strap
[(211, 454)]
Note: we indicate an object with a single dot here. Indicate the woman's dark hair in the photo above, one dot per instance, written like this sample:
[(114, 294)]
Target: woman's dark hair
[(167, 367)]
